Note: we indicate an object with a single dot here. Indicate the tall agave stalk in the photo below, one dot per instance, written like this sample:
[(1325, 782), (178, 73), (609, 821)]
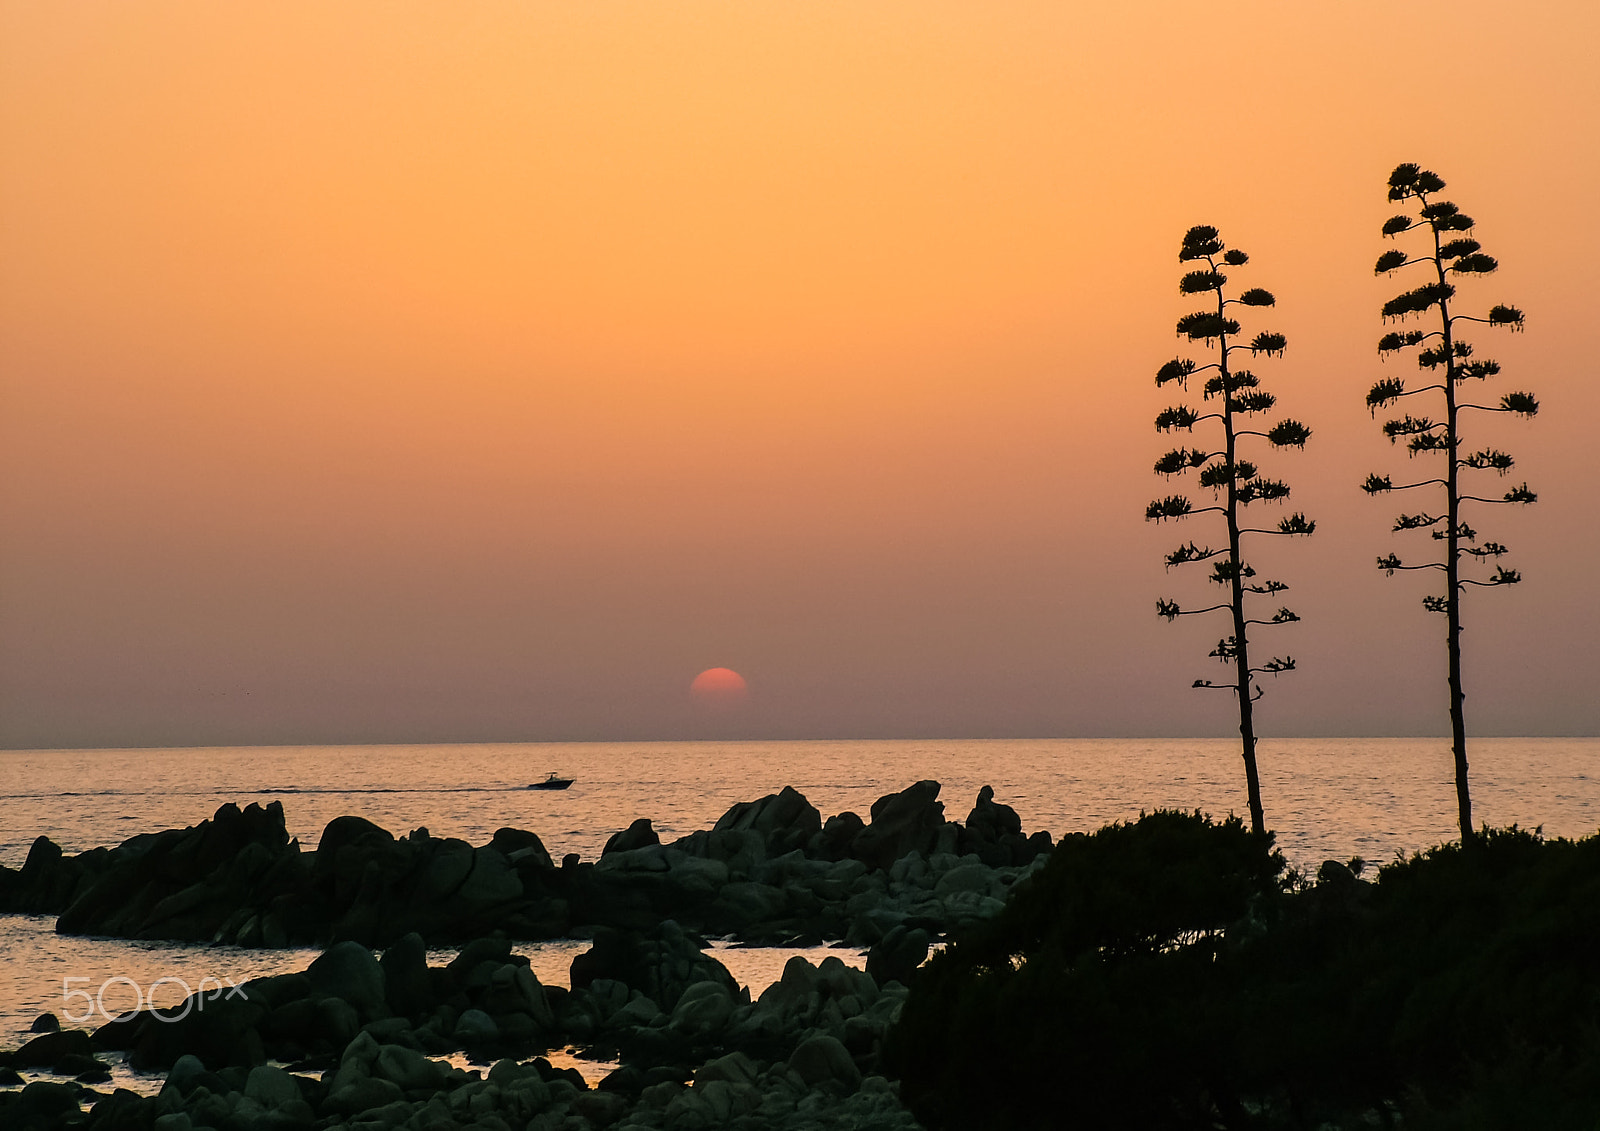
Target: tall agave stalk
[(1447, 358), (1235, 398)]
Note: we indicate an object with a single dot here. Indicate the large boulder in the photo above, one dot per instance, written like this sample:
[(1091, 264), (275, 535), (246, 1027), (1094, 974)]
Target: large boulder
[(491, 883), (349, 971), (637, 835), (896, 956), (993, 833), (217, 1026), (199, 883), (822, 1061), (837, 837), (991, 820), (522, 848), (908, 821), (661, 964), (351, 832), (407, 986), (785, 820)]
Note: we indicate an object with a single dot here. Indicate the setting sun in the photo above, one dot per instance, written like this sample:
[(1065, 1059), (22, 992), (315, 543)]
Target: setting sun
[(719, 687)]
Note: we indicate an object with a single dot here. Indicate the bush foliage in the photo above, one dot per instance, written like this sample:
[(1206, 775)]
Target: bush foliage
[(1171, 972)]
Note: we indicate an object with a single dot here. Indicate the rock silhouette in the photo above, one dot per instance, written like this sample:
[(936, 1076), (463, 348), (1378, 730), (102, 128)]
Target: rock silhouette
[(352, 1040), (769, 870)]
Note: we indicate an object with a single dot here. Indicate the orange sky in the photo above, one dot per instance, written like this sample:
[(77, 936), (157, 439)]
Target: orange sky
[(413, 371)]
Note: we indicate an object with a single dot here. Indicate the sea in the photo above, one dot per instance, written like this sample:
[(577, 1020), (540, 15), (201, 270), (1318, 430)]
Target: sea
[(1376, 798)]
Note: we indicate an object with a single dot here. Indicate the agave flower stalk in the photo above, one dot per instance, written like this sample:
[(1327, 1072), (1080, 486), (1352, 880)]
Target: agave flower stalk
[(1449, 364), (1235, 399)]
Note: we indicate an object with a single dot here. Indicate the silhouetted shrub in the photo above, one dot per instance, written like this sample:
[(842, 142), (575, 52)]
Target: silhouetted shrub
[(1093, 998), (1169, 973)]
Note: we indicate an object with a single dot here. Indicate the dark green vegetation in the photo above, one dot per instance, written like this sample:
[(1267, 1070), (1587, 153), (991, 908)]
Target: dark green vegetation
[(1447, 358), (1235, 482), (1171, 973)]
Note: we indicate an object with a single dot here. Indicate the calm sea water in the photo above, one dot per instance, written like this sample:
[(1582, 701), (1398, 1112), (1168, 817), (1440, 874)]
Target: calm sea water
[(1325, 797)]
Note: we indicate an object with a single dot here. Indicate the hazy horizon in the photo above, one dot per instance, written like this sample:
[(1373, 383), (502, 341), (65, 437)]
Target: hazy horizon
[(376, 374), (1263, 741)]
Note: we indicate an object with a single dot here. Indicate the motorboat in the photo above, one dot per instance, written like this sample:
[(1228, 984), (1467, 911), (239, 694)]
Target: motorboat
[(554, 781)]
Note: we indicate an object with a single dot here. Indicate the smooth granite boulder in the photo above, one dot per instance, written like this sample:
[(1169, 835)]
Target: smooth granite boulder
[(349, 971), (637, 835), (904, 822), (785, 820), (661, 964), (407, 986), (823, 1062), (519, 846)]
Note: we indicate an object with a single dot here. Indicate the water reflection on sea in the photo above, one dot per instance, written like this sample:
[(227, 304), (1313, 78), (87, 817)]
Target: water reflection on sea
[(1325, 796)]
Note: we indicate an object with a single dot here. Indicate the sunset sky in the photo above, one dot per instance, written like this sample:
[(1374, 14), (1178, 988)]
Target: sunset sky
[(485, 371)]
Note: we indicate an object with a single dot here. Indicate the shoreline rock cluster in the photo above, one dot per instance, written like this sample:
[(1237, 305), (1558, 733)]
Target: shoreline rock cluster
[(353, 1039), (769, 872)]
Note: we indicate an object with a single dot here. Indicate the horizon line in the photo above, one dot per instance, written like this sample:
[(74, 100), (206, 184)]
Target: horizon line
[(6, 749)]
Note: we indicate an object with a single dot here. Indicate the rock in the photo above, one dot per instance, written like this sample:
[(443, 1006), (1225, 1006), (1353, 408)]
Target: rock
[(407, 986), (1335, 873), (46, 1050), (45, 1023), (661, 964), (362, 1095), (627, 1080), (759, 873), (742, 850), (966, 877), (474, 1026), (348, 970), (1039, 844), (785, 821), (739, 905), (992, 820), (600, 1109), (735, 1068), (277, 990), (696, 878), (908, 821), (448, 863), (494, 949), (409, 1068), (637, 835), (41, 1104), (704, 1008), (351, 832), (491, 883), (219, 1028), (271, 1087), (518, 845), (897, 955), (199, 883), (837, 836), (336, 1021), (186, 1073), (823, 1061), (645, 858), (122, 1110)]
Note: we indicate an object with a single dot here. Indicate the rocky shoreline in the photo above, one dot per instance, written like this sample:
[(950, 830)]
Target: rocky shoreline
[(769, 872), (353, 1040), (356, 1039)]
